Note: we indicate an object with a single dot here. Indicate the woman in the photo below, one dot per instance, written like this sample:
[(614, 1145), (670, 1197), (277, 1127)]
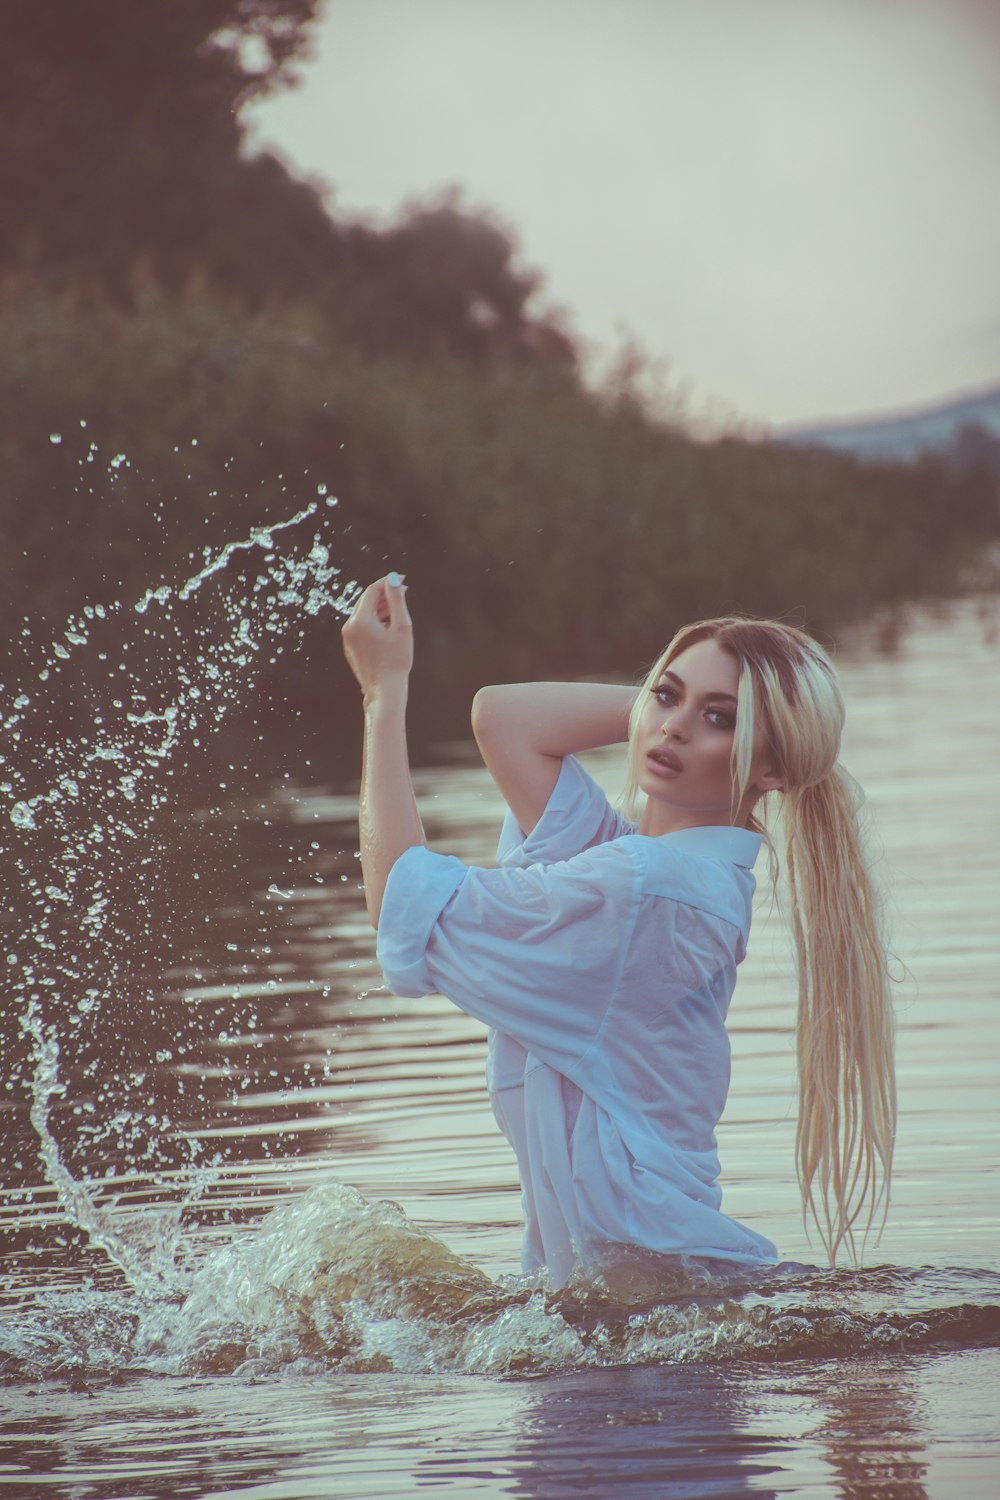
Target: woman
[(602, 953)]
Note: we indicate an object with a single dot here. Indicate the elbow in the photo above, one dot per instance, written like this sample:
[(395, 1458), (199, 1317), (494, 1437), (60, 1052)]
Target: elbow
[(374, 910), (482, 705)]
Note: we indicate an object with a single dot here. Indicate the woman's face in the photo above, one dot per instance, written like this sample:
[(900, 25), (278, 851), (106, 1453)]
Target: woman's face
[(685, 741)]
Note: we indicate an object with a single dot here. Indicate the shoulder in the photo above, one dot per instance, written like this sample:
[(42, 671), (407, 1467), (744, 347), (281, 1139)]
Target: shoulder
[(718, 888)]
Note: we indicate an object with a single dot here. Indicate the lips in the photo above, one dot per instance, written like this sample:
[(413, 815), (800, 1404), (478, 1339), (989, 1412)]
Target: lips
[(665, 760)]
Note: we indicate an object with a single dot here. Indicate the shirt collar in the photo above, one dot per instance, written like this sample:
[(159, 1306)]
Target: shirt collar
[(739, 846)]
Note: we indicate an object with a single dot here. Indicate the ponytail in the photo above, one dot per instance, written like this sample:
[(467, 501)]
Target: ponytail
[(790, 699), (844, 1031)]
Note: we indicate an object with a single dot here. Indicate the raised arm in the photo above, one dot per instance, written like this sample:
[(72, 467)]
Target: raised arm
[(524, 729), (378, 644)]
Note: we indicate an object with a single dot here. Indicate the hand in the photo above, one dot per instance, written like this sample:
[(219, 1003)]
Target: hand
[(378, 637)]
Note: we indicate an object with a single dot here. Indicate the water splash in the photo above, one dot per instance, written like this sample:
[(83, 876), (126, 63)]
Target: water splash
[(88, 767), (332, 1281), (148, 1247)]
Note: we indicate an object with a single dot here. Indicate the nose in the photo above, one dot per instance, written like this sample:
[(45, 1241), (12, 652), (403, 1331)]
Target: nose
[(673, 727)]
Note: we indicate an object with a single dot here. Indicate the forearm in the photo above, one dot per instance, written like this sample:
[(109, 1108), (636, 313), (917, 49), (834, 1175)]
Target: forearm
[(554, 718), (388, 820)]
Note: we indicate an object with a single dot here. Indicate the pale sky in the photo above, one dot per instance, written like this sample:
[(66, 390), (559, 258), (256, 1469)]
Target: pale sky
[(796, 203)]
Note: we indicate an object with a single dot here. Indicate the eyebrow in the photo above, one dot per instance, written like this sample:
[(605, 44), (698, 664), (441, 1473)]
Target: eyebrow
[(729, 697)]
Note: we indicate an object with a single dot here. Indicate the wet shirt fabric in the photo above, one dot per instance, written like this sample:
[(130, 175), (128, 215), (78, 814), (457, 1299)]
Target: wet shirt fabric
[(603, 963)]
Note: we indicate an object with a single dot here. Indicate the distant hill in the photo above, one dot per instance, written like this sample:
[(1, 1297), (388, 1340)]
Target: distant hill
[(968, 429)]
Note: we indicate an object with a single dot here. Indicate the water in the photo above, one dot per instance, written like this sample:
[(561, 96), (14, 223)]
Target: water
[(260, 1230)]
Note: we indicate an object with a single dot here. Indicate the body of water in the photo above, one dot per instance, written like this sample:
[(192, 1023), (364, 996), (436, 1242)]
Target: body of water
[(261, 1233)]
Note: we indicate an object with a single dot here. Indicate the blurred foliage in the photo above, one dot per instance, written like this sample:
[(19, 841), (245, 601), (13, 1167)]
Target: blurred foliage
[(544, 530), (165, 299), (121, 161)]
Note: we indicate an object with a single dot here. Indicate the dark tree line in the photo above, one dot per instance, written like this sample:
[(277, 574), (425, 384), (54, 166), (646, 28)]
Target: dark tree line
[(121, 161)]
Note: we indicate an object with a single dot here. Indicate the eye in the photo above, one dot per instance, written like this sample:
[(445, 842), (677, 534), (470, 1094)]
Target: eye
[(720, 718), (664, 693)]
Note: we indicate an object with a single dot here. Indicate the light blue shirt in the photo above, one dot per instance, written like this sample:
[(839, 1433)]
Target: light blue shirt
[(603, 963)]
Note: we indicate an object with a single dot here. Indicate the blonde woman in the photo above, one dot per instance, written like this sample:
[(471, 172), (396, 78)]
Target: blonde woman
[(602, 952)]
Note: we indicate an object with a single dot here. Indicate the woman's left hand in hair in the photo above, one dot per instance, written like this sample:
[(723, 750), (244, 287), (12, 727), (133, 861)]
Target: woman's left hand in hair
[(378, 637)]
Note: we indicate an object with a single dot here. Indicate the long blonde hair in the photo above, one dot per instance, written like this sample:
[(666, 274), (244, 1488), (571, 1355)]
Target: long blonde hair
[(844, 1029)]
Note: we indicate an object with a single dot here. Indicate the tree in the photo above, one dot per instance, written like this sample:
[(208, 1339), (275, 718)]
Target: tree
[(121, 164), (119, 128)]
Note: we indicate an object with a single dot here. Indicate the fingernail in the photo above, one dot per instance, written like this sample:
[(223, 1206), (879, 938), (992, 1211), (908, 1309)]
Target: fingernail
[(394, 579)]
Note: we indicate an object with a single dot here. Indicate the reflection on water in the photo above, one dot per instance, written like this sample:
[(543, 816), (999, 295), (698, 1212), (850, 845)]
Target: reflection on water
[(871, 1430), (640, 1433), (239, 1057)]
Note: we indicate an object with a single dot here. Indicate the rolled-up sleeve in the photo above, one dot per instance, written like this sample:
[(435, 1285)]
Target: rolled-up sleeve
[(577, 816), (536, 953), (420, 883)]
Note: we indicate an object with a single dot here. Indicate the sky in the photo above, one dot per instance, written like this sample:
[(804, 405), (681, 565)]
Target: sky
[(793, 204)]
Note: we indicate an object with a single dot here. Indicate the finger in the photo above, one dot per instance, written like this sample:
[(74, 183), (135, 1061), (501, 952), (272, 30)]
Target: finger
[(395, 592), (368, 600)]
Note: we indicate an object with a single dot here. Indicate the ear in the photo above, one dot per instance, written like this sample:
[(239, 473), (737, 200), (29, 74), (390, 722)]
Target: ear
[(769, 781)]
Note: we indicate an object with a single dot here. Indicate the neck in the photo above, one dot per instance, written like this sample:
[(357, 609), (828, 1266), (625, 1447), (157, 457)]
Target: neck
[(657, 820)]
